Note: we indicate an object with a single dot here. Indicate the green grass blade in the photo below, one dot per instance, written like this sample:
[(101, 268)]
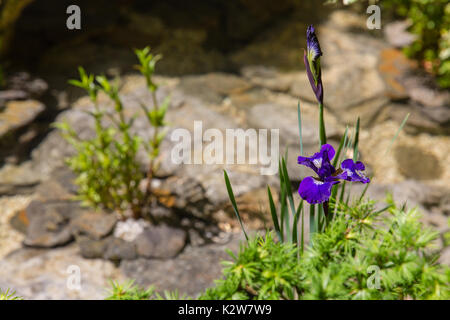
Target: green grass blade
[(273, 212), (364, 192), (339, 150), (287, 182), (233, 202), (397, 133), (320, 215), (348, 143), (312, 221), (285, 214), (356, 142), (302, 238), (334, 191), (383, 209), (283, 202), (295, 223), (322, 133), (404, 206), (348, 194), (341, 198), (299, 117)]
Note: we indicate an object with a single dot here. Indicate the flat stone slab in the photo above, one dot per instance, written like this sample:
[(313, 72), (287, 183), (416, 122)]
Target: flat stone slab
[(95, 225), (49, 223), (18, 114)]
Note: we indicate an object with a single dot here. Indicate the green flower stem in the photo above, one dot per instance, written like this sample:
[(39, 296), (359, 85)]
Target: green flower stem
[(322, 133), (154, 141), (312, 221)]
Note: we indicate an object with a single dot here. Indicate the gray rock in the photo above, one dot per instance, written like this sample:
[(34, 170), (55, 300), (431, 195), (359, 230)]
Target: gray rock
[(118, 249), (445, 256), (416, 163), (396, 33), (285, 119), (6, 95), (422, 89), (213, 87), (414, 193), (58, 187), (430, 120), (46, 274), (34, 87), (18, 179), (189, 196), (92, 249), (269, 78), (53, 150), (49, 223), (95, 225), (160, 242), (191, 272), (348, 87), (18, 114)]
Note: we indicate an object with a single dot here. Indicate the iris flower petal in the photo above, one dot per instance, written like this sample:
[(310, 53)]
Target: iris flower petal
[(312, 43), (352, 171), (320, 161), (315, 191), (311, 59)]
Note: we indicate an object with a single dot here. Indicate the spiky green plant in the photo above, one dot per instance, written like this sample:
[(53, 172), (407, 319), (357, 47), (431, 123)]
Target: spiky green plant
[(9, 294)]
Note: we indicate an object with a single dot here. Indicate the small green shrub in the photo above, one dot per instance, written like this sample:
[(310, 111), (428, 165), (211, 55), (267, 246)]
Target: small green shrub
[(108, 173)]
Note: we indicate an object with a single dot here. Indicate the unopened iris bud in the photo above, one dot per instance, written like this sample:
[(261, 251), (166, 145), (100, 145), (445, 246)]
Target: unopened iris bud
[(311, 58)]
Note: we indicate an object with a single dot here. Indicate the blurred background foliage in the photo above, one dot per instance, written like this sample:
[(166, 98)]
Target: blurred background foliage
[(430, 22)]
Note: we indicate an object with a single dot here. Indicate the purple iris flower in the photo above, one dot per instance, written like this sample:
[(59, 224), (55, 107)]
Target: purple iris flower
[(318, 189), (311, 58)]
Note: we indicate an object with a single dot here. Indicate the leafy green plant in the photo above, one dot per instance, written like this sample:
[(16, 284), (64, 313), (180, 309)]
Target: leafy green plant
[(108, 173), (9, 295), (156, 115), (339, 262), (130, 291)]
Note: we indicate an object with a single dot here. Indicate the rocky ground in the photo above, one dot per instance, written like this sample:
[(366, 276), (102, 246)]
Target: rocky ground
[(43, 230)]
